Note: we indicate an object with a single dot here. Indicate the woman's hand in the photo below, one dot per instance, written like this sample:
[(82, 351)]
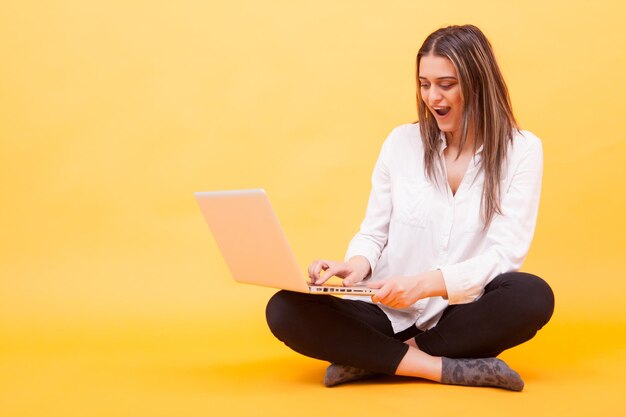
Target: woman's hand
[(402, 291), (352, 272)]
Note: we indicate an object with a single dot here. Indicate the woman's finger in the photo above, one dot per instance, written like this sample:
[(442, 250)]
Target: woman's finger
[(389, 300), (391, 295), (314, 275), (321, 264), (310, 269), (331, 271), (350, 279), (381, 294)]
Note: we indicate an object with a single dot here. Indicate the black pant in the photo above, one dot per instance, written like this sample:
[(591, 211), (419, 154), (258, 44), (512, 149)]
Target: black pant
[(513, 308)]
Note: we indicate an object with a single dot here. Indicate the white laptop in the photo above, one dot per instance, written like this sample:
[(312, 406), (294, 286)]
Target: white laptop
[(254, 245)]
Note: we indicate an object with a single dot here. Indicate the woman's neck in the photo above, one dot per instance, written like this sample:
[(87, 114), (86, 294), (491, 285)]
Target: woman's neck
[(453, 140)]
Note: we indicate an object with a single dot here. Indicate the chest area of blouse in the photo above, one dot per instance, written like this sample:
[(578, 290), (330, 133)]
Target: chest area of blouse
[(452, 201), (456, 168)]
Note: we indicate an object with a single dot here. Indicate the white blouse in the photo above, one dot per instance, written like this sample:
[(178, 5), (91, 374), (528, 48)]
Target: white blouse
[(412, 225)]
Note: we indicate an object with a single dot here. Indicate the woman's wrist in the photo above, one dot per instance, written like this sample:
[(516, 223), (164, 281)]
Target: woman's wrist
[(361, 265), (432, 284)]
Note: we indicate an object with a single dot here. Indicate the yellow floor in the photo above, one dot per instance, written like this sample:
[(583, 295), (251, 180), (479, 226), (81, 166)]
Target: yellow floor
[(112, 357), (186, 371)]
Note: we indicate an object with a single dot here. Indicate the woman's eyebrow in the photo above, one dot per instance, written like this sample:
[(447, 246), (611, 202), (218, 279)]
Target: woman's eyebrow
[(447, 77)]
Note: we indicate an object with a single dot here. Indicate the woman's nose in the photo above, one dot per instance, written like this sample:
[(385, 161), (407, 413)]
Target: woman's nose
[(434, 96)]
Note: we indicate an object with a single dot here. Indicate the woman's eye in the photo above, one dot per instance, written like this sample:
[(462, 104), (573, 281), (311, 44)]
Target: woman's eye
[(424, 85), (446, 86)]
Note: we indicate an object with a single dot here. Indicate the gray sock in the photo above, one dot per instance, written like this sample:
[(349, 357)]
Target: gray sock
[(338, 374), (487, 372)]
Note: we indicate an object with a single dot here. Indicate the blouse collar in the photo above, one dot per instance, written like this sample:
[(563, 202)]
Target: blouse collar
[(443, 144)]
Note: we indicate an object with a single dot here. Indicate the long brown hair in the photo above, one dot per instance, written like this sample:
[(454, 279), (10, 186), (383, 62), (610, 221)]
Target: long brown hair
[(486, 107)]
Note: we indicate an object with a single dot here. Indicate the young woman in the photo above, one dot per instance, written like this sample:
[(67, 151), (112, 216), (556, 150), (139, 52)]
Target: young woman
[(449, 221)]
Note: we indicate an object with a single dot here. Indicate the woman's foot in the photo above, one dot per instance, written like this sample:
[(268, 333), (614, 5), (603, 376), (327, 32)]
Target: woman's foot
[(338, 374), (487, 372)]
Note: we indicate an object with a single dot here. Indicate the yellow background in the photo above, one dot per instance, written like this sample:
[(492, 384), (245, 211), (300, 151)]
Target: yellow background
[(114, 299)]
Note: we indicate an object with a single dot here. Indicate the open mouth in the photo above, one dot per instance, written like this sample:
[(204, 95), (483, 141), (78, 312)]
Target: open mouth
[(442, 111)]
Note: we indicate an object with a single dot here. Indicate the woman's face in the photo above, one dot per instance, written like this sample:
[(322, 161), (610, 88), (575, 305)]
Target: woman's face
[(441, 92)]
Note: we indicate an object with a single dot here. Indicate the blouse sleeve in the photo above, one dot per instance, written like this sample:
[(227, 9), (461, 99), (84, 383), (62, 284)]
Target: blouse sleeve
[(372, 235), (509, 236)]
